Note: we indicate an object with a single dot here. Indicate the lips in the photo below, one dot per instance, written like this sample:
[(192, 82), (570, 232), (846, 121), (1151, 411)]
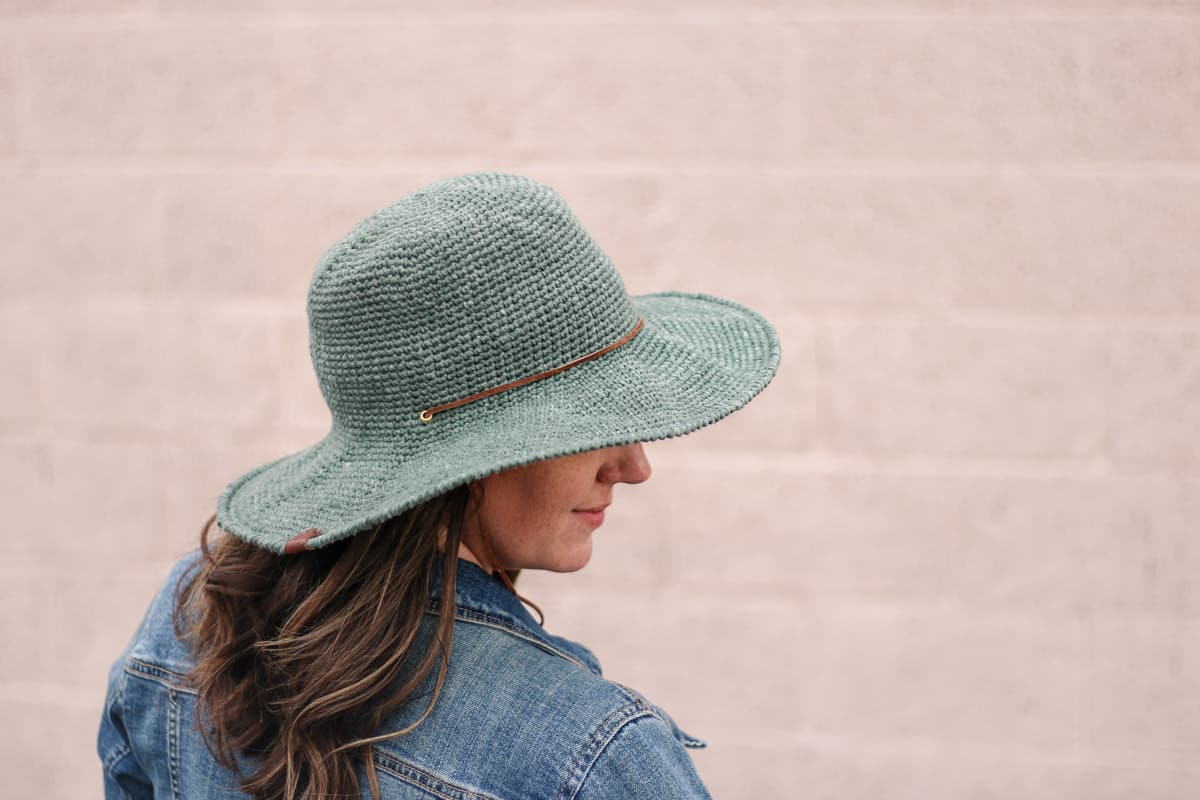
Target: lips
[(594, 516)]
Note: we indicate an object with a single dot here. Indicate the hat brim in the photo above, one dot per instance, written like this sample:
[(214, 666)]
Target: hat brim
[(697, 359)]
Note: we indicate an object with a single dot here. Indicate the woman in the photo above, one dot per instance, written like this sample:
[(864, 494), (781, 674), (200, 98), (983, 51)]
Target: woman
[(490, 381)]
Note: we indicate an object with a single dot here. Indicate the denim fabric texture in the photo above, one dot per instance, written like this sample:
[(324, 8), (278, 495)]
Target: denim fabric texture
[(523, 714)]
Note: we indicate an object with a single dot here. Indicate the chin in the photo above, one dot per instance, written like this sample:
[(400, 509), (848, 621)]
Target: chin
[(572, 561)]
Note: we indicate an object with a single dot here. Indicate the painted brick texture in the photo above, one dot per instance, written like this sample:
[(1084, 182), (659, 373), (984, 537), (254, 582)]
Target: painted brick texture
[(949, 553)]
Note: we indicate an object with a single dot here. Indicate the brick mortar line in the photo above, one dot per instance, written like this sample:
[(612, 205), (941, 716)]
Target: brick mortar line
[(275, 309), (822, 463), (154, 20), (820, 603), (55, 695), (627, 168), (1052, 321), (1070, 750), (37, 433)]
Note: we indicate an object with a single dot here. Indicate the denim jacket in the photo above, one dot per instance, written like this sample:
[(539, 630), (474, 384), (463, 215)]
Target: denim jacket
[(522, 714)]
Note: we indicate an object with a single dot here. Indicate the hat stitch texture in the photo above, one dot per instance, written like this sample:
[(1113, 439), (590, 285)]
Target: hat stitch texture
[(473, 282)]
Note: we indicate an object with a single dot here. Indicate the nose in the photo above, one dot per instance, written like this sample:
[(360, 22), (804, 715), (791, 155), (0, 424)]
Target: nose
[(627, 464)]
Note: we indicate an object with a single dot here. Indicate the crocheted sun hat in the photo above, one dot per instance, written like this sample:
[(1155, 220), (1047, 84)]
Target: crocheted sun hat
[(472, 326)]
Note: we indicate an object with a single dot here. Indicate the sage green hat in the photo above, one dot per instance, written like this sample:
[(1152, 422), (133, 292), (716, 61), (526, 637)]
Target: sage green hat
[(474, 325)]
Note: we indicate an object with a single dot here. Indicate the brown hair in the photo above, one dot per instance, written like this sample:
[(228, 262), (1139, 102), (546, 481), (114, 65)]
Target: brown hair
[(297, 656)]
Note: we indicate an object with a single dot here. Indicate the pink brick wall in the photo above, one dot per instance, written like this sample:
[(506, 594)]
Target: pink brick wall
[(950, 553)]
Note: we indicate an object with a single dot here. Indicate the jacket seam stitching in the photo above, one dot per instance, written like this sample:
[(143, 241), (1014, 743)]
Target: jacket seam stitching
[(481, 618), (597, 742), (123, 749), (425, 780), (173, 740), (151, 667), (148, 671), (112, 759), (680, 734)]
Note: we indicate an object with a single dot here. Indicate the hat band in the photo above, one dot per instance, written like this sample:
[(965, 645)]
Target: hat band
[(426, 415)]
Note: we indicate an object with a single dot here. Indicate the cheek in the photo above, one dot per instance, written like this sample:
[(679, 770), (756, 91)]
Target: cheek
[(521, 508), (545, 514), (539, 501), (553, 490), (533, 516)]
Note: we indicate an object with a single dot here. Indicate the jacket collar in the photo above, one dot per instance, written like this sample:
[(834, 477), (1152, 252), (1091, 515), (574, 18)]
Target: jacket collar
[(478, 591), (481, 597)]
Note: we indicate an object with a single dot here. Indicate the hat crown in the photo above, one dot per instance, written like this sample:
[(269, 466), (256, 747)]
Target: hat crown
[(466, 284)]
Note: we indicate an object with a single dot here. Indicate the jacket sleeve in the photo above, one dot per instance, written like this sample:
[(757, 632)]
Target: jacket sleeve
[(643, 759), (124, 778)]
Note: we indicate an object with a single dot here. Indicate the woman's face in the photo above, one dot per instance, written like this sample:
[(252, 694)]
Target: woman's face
[(533, 514)]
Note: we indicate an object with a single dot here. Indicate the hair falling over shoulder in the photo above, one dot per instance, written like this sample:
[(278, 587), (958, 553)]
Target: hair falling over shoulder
[(299, 658)]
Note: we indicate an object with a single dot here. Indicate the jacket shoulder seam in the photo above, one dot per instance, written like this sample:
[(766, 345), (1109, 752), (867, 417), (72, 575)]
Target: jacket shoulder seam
[(480, 618), (597, 741), (140, 668)]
